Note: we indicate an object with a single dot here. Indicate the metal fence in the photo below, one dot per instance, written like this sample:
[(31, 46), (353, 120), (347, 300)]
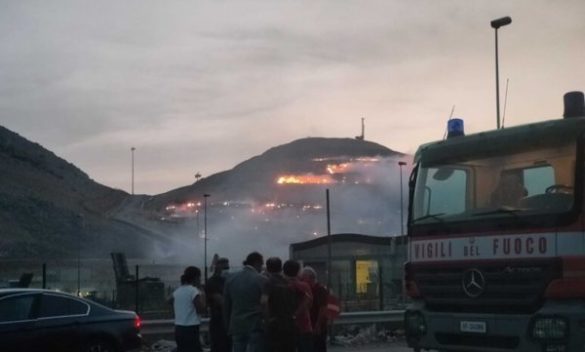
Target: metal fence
[(148, 284)]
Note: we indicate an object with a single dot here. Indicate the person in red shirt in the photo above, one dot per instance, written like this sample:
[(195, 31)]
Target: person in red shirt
[(291, 270), (318, 309)]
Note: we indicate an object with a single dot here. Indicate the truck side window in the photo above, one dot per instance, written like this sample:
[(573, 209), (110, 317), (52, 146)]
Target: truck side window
[(446, 192), (538, 179)]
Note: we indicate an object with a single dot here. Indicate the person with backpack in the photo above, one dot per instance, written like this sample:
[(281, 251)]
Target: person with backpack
[(304, 296), (280, 304)]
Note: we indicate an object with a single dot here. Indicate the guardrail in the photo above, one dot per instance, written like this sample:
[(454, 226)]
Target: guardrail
[(166, 326)]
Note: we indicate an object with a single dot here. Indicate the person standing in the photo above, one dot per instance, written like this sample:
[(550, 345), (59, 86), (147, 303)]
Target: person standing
[(280, 304), (291, 270), (188, 305), (318, 309), (243, 313), (220, 341)]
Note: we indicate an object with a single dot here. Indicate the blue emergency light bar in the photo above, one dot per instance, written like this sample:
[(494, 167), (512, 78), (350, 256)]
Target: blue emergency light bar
[(455, 128)]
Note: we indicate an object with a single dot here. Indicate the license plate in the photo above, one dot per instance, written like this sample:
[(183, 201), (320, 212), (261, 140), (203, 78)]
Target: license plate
[(473, 326)]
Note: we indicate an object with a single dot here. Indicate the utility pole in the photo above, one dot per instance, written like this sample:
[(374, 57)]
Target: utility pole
[(328, 238), (132, 152), (205, 196), (401, 164)]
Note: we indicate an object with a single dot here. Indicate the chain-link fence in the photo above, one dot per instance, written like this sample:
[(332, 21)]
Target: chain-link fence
[(146, 286)]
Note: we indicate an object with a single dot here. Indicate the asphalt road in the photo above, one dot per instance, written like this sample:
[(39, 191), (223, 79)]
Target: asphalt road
[(389, 347)]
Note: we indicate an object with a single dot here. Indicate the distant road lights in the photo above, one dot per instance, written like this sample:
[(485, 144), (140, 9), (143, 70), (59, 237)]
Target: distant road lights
[(497, 23), (401, 164)]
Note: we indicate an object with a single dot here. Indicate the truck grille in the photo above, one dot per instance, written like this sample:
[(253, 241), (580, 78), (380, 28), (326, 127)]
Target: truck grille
[(510, 286)]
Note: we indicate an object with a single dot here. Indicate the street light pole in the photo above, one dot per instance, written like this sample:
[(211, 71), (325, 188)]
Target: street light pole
[(79, 256), (401, 164), (500, 22), (132, 151), (198, 227), (205, 196), (328, 205)]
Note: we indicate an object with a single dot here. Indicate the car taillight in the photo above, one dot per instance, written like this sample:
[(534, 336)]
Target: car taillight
[(137, 322)]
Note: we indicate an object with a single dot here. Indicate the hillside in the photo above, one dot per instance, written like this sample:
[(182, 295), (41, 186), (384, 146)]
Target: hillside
[(254, 179), (50, 208)]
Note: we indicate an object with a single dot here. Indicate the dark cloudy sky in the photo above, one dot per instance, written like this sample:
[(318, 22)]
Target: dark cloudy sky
[(203, 85)]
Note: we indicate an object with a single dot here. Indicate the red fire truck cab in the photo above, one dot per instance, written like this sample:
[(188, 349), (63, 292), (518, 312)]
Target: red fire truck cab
[(496, 254)]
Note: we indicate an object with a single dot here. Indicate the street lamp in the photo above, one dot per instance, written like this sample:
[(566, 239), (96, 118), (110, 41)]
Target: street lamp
[(205, 196), (401, 164), (132, 152), (500, 22)]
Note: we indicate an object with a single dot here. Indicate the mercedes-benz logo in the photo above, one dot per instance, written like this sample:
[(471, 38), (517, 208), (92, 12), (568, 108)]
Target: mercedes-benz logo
[(473, 283)]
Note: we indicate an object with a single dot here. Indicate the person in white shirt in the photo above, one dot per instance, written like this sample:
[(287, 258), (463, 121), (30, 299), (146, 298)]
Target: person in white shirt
[(188, 305)]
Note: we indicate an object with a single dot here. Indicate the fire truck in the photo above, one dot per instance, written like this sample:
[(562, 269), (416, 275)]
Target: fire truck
[(496, 238)]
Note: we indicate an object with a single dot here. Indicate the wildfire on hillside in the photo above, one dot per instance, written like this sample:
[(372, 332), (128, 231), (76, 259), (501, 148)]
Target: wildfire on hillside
[(306, 179), (336, 170)]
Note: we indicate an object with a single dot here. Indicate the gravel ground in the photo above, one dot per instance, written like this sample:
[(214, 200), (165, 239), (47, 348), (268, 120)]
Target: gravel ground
[(168, 346), (352, 338)]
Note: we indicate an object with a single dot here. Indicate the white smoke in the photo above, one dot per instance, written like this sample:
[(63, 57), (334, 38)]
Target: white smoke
[(371, 208)]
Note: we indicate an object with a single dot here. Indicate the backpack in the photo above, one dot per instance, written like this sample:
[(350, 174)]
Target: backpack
[(333, 307)]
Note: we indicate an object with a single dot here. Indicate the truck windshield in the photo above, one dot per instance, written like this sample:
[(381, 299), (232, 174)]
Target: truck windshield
[(531, 180)]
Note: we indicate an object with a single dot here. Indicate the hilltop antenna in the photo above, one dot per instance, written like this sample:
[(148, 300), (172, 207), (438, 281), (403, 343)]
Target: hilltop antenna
[(505, 102), (450, 117), (362, 136)]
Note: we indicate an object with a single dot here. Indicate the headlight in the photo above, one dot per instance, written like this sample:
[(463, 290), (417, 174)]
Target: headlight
[(415, 323), (550, 328)]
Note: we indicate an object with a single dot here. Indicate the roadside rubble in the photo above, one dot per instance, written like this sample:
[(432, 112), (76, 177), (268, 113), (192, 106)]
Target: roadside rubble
[(360, 335), (161, 346), (349, 337)]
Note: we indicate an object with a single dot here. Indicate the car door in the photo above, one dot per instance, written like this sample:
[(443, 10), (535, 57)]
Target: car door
[(59, 321), (17, 324)]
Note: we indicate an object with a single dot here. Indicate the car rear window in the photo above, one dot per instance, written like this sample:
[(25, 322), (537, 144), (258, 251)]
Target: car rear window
[(17, 308), (57, 306)]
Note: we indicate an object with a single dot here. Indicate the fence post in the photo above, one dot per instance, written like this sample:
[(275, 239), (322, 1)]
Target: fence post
[(381, 283), (44, 275)]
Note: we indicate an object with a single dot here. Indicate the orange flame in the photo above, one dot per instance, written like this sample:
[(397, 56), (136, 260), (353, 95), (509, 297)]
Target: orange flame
[(338, 168), (305, 179)]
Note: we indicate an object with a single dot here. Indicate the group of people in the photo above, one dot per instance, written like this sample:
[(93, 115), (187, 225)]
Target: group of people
[(262, 308)]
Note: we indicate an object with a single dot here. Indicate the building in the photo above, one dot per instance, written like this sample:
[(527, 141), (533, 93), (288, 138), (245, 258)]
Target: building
[(366, 271)]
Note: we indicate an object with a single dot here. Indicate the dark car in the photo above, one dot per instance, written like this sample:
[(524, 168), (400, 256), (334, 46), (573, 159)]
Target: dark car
[(42, 320)]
